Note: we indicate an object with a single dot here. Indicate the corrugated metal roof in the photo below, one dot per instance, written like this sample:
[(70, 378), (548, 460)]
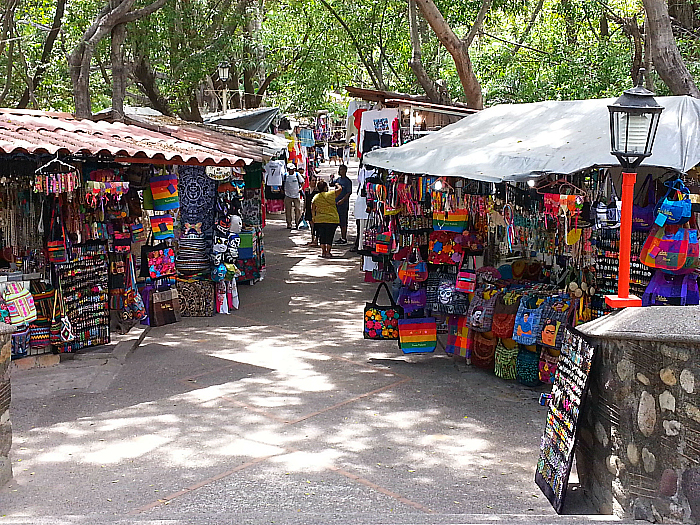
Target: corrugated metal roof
[(41, 132)]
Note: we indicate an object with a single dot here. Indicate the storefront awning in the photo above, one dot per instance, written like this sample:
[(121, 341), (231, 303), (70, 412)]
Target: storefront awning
[(520, 141), (41, 132)]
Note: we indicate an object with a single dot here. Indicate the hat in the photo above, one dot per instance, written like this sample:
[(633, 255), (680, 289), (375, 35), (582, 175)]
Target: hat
[(291, 166)]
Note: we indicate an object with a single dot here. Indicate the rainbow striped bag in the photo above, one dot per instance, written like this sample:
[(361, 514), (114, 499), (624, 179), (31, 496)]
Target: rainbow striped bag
[(163, 227), (417, 335), (164, 190), (451, 221)]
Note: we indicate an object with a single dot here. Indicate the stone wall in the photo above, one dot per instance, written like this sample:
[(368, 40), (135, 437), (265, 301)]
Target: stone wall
[(638, 453), (5, 395)]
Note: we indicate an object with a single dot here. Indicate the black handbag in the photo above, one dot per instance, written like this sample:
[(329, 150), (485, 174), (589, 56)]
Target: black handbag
[(164, 270), (443, 295), (382, 322)]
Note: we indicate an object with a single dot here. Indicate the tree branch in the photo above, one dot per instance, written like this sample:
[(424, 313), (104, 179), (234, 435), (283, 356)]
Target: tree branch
[(485, 7), (143, 12)]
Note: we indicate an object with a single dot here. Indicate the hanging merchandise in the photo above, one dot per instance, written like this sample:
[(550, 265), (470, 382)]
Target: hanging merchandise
[(548, 366), (505, 359), (162, 227), (164, 308), (675, 207), (134, 308), (466, 279), (157, 261), (165, 191), (56, 177), (443, 295), (504, 313), (483, 351), (607, 216), (412, 301), (61, 328), (643, 215), (20, 304), (459, 336), (21, 341), (672, 290), (527, 366), (527, 321), (381, 322), (452, 221), (417, 335), (555, 314), (481, 308), (445, 248), (668, 247), (57, 246), (219, 173), (413, 269), (197, 298)]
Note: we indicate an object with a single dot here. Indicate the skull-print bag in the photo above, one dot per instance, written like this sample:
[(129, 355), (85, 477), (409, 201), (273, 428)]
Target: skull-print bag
[(443, 295)]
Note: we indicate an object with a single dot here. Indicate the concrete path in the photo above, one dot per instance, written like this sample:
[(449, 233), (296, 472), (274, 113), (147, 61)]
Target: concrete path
[(278, 413)]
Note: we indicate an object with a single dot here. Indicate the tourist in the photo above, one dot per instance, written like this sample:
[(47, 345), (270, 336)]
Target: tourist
[(325, 215), (309, 194), (292, 182), (342, 202)]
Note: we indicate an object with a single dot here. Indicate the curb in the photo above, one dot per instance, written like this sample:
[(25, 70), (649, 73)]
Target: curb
[(124, 348)]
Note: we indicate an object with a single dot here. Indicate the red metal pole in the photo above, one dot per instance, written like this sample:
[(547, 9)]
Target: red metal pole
[(623, 298)]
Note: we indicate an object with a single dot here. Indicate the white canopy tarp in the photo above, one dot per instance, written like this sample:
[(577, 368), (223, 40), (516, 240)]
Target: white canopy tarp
[(520, 141)]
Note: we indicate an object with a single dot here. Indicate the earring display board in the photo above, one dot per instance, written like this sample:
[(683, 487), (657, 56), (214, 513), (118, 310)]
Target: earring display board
[(565, 403), (84, 282)]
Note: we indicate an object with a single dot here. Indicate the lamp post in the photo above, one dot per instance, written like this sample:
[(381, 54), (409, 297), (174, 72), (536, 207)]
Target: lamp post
[(223, 71), (634, 119)]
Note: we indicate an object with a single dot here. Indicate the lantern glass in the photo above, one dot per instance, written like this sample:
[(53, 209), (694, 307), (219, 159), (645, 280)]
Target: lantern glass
[(223, 71)]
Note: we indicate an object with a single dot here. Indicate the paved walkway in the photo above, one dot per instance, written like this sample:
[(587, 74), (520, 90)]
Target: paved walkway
[(279, 413)]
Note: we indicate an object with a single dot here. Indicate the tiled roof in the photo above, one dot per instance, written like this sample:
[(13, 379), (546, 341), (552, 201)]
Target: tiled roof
[(41, 132)]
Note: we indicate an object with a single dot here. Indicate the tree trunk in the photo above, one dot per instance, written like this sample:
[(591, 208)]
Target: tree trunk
[(664, 51), (431, 88), (146, 79), (118, 72), (459, 49)]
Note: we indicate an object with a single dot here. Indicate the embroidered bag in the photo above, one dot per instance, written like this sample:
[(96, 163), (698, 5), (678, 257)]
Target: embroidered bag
[(20, 304), (443, 295), (480, 314), (445, 248), (417, 335), (157, 261), (383, 243), (57, 246), (374, 223), (527, 367), (505, 359), (20, 342), (483, 351), (40, 333), (61, 328), (555, 314), (547, 367), (459, 340), (504, 312), (527, 322), (382, 322), (134, 307)]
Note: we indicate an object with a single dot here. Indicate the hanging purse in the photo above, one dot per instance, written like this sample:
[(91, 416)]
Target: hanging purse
[(547, 367), (643, 216), (61, 328), (667, 248), (674, 211), (417, 335), (162, 227), (413, 269), (527, 367), (527, 321), (505, 359), (57, 246), (504, 312), (555, 314), (445, 248), (157, 261), (607, 216), (483, 351), (443, 295), (20, 304), (466, 279), (451, 221), (412, 300), (382, 322), (671, 290), (134, 307), (480, 314), (459, 337)]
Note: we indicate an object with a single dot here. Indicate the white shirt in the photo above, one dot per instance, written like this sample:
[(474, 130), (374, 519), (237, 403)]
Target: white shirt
[(292, 184), (274, 171)]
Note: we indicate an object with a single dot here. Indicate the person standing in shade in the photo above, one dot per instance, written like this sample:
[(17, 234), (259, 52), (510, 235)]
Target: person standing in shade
[(342, 201), (292, 183), (325, 215), (309, 194)]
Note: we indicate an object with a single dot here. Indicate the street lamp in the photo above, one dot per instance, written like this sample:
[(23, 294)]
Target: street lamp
[(223, 71), (634, 119)]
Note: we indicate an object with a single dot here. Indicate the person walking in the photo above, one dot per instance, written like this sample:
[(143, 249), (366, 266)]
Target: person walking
[(325, 215), (309, 194), (342, 202), (292, 183)]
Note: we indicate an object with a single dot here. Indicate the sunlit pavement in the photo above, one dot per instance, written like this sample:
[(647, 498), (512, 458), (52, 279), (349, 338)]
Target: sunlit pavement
[(278, 413)]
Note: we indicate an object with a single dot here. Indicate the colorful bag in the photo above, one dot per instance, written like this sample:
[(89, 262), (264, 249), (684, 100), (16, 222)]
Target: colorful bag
[(451, 221), (134, 307), (375, 224), (61, 327), (383, 243), (527, 322), (164, 190), (483, 351), (667, 247), (480, 314), (382, 322), (459, 337), (504, 312), (555, 314), (157, 261), (121, 242), (505, 360), (643, 216), (197, 298), (20, 342), (527, 367), (417, 335), (466, 279), (670, 211), (671, 290), (414, 269), (57, 246), (20, 304), (40, 333), (162, 227), (445, 248), (547, 367), (443, 295), (607, 216), (412, 300)]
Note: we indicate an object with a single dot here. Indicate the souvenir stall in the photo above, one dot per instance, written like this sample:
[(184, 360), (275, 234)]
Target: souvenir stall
[(501, 269)]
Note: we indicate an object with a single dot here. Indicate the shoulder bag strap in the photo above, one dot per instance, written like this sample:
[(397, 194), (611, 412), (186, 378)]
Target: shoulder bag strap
[(388, 292)]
